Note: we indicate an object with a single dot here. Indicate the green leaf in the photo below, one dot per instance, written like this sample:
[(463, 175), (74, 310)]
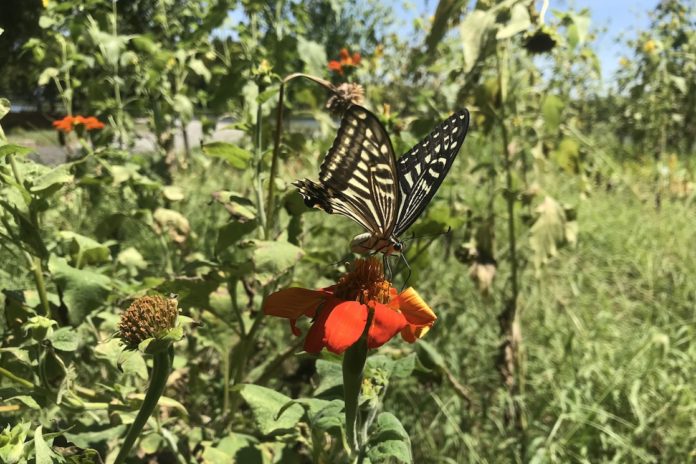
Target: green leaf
[(52, 181), (239, 207), (389, 442), (86, 250), (12, 442), (313, 55), (551, 109), (65, 339), (266, 406), (236, 156), (4, 107), (200, 68), (11, 149), (132, 362), (230, 233), (474, 32), (43, 452), (46, 75), (429, 356), (84, 290), (183, 106), (272, 259), (519, 22)]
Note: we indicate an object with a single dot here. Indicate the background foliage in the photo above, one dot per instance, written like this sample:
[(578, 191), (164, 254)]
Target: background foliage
[(565, 303)]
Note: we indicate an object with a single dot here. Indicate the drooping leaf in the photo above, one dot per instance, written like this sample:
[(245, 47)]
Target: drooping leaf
[(85, 250), (236, 156), (519, 22), (267, 408), (548, 231), (12, 149), (551, 109), (473, 31), (232, 232)]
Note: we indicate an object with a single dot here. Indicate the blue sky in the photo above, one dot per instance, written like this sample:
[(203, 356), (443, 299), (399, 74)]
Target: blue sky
[(610, 18)]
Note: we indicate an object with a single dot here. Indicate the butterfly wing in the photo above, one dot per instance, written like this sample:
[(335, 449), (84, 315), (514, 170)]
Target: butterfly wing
[(358, 176), (423, 168)]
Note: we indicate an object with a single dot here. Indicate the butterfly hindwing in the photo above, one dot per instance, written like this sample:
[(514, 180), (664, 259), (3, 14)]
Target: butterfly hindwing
[(422, 169), (358, 177)]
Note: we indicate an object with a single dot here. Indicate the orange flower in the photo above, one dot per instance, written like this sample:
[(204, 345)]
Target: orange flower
[(67, 123), (344, 54), (356, 59), (342, 311), (64, 125), (336, 66)]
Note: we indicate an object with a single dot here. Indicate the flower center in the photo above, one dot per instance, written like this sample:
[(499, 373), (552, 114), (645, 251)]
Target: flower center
[(365, 282)]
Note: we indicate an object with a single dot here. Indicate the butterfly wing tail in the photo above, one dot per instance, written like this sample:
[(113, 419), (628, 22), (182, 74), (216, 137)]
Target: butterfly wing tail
[(315, 195)]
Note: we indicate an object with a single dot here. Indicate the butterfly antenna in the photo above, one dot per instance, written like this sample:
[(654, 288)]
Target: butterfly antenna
[(343, 260), (413, 237)]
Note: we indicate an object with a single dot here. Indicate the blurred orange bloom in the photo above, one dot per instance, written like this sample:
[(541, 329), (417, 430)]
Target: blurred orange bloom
[(341, 312), (345, 60), (67, 123)]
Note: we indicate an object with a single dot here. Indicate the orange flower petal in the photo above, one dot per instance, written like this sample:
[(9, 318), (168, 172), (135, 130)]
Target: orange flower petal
[(342, 326), (416, 311), (385, 324), (335, 66), (356, 58), (344, 54), (294, 302), (411, 333)]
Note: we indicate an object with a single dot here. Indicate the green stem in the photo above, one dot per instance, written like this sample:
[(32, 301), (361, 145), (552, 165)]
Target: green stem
[(353, 369), (161, 367), (24, 382), (259, 167), (226, 381), (274, 161)]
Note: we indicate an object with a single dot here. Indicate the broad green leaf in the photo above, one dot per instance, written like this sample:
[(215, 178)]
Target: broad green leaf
[(239, 207), (131, 259), (183, 106), (429, 356), (85, 250), (236, 156), (200, 68), (131, 362), (330, 377), (272, 259), (266, 406), (567, 155), (42, 452), (519, 22), (84, 290), (474, 33), (4, 107), (389, 442), (551, 109), (46, 76), (313, 55), (65, 339), (53, 180), (232, 232), (11, 149)]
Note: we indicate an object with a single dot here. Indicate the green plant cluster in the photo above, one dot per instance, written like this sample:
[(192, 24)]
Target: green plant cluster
[(557, 255)]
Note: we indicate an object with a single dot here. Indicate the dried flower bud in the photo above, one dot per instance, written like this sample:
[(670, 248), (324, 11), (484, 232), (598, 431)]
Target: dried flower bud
[(147, 317), (345, 95), (541, 40)]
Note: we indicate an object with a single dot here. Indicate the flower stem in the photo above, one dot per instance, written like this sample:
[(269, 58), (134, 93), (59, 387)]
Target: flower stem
[(353, 369), (161, 367), (274, 161)]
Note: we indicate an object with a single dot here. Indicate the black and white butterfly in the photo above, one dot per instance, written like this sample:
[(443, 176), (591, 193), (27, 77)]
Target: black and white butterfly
[(361, 178)]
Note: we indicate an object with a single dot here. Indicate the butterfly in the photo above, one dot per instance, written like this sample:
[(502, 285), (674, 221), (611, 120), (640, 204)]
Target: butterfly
[(361, 178)]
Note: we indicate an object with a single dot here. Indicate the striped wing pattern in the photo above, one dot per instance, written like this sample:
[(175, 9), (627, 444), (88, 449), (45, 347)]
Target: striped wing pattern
[(358, 176), (422, 169)]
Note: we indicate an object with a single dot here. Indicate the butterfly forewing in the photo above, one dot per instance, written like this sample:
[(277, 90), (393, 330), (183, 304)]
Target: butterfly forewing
[(422, 169), (357, 177)]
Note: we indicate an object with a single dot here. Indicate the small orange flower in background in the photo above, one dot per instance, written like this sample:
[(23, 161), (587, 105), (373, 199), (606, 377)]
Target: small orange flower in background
[(69, 122), (341, 312), (346, 60)]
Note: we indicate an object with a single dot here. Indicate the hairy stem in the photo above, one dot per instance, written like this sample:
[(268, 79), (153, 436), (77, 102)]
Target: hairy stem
[(161, 367), (274, 162)]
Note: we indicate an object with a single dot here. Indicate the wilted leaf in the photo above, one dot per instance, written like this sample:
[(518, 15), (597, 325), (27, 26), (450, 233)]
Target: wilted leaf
[(549, 231), (232, 232), (237, 157), (172, 222), (266, 406), (389, 442), (85, 250), (519, 21), (474, 32), (482, 274), (200, 68)]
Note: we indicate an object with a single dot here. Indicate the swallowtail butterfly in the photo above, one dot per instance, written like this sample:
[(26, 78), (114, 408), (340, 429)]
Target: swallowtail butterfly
[(361, 178)]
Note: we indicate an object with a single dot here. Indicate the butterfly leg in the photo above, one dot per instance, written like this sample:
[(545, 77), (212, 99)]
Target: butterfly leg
[(387, 267)]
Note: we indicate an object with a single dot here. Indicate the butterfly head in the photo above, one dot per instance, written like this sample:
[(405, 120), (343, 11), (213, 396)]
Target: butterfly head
[(367, 243)]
